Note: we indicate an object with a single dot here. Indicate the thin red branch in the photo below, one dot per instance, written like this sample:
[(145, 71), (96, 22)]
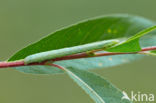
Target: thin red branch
[(57, 66), (85, 55), (149, 48), (21, 63), (11, 64), (69, 57)]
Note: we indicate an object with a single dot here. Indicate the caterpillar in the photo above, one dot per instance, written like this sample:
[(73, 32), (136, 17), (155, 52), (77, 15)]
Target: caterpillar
[(39, 57)]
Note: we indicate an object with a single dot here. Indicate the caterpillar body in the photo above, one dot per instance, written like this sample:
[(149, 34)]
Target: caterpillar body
[(39, 57)]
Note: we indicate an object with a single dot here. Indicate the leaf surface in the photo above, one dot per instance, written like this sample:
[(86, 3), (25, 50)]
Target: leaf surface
[(131, 44), (99, 89)]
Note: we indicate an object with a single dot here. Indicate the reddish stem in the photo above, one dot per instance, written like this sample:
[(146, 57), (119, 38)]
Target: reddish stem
[(85, 55), (69, 57), (57, 66), (149, 48), (11, 64)]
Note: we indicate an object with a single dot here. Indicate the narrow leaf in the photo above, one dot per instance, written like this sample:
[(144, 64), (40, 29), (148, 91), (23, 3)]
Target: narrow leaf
[(132, 44), (152, 53), (99, 89)]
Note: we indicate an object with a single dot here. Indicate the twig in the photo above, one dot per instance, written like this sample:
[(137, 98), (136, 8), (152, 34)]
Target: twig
[(70, 57)]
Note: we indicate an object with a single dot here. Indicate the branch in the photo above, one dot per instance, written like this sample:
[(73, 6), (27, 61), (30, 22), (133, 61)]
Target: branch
[(85, 55), (70, 57), (11, 64)]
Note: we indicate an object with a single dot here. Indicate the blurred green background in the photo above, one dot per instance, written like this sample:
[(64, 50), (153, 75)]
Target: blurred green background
[(25, 21)]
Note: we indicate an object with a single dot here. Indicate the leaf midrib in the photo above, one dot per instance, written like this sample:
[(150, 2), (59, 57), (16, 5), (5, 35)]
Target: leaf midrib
[(94, 92)]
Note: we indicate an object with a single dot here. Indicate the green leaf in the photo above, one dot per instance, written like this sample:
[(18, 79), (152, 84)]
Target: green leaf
[(131, 44), (39, 69), (93, 30), (152, 53), (99, 89)]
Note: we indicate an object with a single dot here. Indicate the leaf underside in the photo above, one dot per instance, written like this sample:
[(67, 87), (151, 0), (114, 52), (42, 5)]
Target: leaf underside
[(99, 89)]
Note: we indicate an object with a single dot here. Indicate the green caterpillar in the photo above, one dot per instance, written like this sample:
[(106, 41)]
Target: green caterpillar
[(39, 57)]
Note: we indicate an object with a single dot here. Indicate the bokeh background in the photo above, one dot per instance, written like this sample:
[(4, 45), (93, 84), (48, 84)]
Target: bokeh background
[(25, 21)]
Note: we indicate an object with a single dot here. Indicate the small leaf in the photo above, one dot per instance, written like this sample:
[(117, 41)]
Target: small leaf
[(131, 44), (152, 53), (99, 89)]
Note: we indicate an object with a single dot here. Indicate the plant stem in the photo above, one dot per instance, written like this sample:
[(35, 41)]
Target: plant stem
[(58, 66), (149, 48), (85, 55), (11, 64), (70, 57)]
